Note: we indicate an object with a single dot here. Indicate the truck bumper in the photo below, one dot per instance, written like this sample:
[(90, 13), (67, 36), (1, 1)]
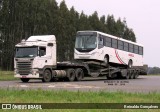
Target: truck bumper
[(34, 75)]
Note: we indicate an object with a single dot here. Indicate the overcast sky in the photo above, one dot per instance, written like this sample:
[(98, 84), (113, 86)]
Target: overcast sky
[(143, 16)]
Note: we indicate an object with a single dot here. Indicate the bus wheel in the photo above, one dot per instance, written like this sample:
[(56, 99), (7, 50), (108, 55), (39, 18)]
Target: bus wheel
[(24, 79), (106, 60), (130, 64), (71, 74), (47, 76), (79, 74)]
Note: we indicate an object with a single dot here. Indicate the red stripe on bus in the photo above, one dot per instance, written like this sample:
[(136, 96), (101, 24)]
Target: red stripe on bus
[(118, 57)]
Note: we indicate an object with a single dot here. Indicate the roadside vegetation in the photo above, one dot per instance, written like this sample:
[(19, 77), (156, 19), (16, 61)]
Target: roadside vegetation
[(41, 96), (7, 75)]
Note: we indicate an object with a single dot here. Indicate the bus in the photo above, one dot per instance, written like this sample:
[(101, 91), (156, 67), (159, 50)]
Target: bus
[(109, 49)]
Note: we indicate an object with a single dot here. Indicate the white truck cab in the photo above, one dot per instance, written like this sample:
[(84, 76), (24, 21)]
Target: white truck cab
[(33, 55)]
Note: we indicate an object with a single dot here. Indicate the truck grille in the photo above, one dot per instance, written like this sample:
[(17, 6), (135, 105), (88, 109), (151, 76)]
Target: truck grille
[(24, 68)]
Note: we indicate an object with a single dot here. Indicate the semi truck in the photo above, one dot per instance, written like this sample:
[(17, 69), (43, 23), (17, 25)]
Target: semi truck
[(95, 53)]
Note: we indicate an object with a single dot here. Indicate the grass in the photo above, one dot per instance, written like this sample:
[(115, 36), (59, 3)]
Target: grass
[(41, 96), (7, 75)]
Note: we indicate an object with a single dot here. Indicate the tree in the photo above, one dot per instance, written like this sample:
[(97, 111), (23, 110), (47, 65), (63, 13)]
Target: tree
[(20, 19)]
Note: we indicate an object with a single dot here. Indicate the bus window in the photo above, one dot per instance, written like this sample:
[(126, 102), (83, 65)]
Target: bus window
[(141, 50), (100, 42), (120, 45), (131, 48), (125, 46), (136, 49), (114, 43), (108, 42)]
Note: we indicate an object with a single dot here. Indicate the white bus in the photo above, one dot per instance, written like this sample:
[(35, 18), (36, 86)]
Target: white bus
[(98, 46)]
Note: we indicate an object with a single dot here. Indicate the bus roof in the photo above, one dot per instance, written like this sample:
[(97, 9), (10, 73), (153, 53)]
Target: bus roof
[(111, 36)]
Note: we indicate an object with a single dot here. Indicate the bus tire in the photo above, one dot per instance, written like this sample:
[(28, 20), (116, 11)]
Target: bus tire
[(130, 64), (25, 79), (47, 76), (79, 74), (106, 60), (71, 75)]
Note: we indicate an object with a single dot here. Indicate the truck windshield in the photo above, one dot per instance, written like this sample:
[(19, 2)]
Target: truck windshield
[(26, 52), (86, 42)]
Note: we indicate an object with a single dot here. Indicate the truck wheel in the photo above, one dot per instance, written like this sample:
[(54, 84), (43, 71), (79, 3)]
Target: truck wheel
[(47, 76), (79, 74), (106, 60), (24, 79), (71, 74)]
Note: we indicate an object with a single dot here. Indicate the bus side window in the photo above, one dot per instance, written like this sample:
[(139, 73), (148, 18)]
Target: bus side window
[(100, 41), (108, 42), (131, 49), (120, 45), (136, 49), (141, 50), (125, 46), (114, 43)]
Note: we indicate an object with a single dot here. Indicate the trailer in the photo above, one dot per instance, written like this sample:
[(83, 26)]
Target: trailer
[(35, 58)]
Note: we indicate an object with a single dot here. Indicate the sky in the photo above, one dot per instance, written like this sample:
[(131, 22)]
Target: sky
[(143, 16)]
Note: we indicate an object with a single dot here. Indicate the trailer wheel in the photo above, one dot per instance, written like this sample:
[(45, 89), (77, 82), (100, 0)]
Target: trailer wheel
[(25, 79), (109, 78), (136, 75), (47, 76), (132, 74), (127, 75), (79, 74), (71, 74)]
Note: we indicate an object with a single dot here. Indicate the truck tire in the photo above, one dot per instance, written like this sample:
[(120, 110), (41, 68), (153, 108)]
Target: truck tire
[(79, 74), (25, 79), (47, 76), (71, 75)]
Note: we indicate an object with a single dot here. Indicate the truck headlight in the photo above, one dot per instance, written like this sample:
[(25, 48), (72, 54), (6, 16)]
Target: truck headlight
[(35, 71)]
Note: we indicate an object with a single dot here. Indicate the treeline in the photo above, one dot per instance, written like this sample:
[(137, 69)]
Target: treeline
[(20, 19), (154, 70)]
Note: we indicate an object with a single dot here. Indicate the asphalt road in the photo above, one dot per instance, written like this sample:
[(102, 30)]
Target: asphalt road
[(142, 84)]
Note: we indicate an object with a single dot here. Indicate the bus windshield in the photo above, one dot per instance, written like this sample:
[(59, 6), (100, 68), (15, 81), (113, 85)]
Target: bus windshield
[(26, 52), (86, 42)]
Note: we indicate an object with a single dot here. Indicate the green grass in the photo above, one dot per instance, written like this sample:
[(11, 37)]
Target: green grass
[(41, 96), (7, 75)]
